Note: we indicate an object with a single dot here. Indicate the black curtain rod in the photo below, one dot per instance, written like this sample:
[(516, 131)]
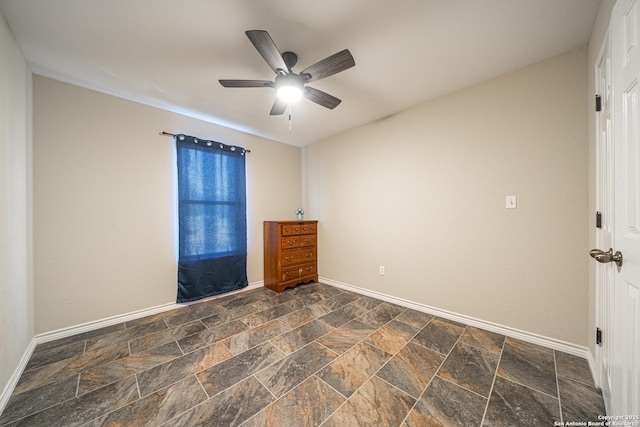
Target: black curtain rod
[(174, 135)]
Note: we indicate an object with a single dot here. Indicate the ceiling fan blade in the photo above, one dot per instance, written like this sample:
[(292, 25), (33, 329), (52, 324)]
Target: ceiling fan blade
[(268, 49), (321, 98), (330, 65), (246, 83), (278, 107)]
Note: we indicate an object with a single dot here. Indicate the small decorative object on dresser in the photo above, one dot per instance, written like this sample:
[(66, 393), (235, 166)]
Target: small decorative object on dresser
[(290, 253)]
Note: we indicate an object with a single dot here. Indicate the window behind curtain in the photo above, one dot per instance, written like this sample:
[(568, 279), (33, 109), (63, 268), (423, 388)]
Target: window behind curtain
[(212, 218)]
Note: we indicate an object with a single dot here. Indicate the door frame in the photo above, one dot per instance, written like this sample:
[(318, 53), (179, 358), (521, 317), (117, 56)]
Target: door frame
[(605, 175), (616, 370)]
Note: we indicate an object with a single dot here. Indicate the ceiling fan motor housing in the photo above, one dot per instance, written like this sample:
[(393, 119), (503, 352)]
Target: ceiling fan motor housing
[(290, 58)]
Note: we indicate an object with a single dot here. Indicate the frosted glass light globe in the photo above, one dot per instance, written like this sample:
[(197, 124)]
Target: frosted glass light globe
[(289, 94)]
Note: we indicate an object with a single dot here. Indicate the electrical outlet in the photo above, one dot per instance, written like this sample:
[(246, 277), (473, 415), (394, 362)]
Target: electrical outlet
[(510, 202), (381, 270)]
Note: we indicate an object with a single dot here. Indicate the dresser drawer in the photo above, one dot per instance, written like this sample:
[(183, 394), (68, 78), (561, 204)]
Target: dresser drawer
[(290, 229), (298, 257), (304, 228), (288, 242), (298, 271), (308, 228)]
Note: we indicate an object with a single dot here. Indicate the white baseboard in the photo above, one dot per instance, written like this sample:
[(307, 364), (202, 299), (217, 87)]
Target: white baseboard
[(91, 326), (592, 368), (553, 343), (127, 317), (103, 323), (13, 381)]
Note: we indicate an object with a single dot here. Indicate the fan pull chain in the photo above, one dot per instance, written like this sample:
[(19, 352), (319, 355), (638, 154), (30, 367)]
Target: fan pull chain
[(289, 117)]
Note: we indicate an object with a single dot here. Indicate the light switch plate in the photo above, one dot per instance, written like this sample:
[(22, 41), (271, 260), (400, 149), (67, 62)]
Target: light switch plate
[(510, 202)]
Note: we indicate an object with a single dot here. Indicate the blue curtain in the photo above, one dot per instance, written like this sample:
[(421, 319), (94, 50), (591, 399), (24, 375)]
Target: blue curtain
[(212, 218)]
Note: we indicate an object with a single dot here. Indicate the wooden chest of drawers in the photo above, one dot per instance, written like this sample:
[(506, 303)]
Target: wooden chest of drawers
[(290, 253)]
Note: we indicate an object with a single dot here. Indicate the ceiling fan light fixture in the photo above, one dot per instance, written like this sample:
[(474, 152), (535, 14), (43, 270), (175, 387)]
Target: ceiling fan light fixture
[(290, 93), (289, 87)]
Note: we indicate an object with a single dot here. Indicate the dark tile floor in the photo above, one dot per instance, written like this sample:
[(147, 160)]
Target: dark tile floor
[(313, 355)]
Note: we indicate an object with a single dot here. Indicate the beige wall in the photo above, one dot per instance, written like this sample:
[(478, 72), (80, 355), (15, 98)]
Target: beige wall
[(423, 193), (16, 289), (104, 202)]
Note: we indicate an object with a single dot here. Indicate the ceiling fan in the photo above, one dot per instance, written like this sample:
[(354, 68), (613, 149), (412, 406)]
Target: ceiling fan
[(290, 86)]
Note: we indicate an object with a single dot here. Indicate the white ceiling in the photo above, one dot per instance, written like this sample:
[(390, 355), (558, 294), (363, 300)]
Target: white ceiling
[(171, 53)]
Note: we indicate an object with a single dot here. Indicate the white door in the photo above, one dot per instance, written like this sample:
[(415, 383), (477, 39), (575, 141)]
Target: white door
[(605, 221), (625, 385)]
